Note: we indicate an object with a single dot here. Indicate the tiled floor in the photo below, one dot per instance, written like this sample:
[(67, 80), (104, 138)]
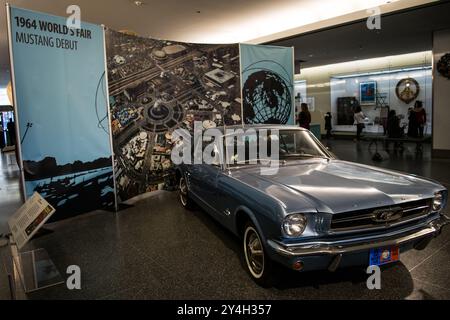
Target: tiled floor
[(9, 202), (9, 188), (157, 250)]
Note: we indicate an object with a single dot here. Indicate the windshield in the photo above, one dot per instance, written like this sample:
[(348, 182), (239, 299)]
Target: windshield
[(290, 145)]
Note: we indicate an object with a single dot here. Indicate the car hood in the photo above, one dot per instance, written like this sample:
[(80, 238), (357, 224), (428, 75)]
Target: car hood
[(336, 186)]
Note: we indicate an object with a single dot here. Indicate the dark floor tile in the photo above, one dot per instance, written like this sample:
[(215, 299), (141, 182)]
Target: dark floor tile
[(436, 269), (427, 291)]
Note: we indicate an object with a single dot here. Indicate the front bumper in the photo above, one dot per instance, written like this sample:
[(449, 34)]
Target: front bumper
[(332, 253)]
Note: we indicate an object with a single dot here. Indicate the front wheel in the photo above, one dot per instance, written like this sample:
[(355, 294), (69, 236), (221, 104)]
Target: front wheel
[(186, 202), (258, 263)]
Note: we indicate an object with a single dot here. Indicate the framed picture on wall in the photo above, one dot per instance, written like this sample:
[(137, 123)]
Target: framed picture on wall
[(310, 101), (368, 93)]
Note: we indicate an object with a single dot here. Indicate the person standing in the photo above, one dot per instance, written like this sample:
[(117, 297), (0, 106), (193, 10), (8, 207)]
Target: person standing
[(412, 124), (2, 136), (384, 115), (11, 132), (328, 124), (360, 122), (394, 130), (305, 117), (421, 117)]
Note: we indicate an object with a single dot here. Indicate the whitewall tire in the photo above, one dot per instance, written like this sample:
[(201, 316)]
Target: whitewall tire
[(257, 262)]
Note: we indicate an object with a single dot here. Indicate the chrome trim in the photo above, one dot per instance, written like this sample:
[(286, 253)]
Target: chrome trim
[(416, 208), (371, 227), (374, 225), (318, 248)]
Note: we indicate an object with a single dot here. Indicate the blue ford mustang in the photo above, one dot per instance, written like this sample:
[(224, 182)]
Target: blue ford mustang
[(316, 212)]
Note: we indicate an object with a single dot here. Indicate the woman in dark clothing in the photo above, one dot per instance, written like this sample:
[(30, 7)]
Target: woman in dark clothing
[(11, 132), (412, 124), (393, 126), (305, 117), (421, 117), (394, 130), (328, 125), (2, 136)]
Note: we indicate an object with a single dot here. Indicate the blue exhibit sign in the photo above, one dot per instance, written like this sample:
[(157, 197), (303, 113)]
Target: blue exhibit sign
[(267, 84), (61, 100)]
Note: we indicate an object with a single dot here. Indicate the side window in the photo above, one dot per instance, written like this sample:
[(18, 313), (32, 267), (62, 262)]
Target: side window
[(211, 152), (216, 162)]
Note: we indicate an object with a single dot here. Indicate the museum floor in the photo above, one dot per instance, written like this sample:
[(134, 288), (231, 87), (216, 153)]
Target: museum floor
[(157, 250)]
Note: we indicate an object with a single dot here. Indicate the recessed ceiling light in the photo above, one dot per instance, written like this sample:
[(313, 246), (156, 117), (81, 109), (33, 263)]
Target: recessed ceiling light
[(138, 3)]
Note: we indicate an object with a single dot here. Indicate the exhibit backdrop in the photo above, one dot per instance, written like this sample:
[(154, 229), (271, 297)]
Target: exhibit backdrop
[(157, 86), (61, 103), (267, 84)]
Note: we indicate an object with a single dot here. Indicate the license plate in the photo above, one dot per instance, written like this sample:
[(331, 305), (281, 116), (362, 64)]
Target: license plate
[(379, 257)]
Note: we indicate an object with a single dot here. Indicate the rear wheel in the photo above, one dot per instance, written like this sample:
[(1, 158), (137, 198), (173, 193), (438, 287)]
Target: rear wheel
[(258, 263), (186, 202)]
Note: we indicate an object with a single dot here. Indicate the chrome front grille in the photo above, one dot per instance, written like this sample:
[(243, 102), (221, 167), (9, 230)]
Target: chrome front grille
[(383, 217)]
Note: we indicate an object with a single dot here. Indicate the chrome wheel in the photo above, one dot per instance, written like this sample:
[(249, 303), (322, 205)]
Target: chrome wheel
[(183, 192), (254, 252)]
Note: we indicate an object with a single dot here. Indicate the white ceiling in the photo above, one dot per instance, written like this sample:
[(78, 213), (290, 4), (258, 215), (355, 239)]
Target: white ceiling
[(203, 21), (401, 32)]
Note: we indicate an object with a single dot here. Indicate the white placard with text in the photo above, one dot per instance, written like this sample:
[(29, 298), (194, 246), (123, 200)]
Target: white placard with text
[(29, 219)]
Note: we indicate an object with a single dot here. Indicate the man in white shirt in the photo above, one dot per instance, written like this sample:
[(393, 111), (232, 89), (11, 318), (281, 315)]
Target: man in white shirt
[(359, 121)]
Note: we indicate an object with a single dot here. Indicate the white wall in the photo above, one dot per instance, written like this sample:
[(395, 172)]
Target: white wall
[(441, 96), (319, 78), (299, 88), (386, 85), (4, 100)]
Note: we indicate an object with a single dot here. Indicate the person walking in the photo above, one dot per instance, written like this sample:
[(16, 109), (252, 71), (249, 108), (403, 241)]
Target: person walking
[(412, 124), (11, 127), (384, 115), (328, 124), (305, 117), (360, 118), (421, 117), (2, 136)]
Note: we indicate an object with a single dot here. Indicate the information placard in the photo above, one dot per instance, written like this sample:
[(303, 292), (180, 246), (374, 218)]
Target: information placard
[(29, 219)]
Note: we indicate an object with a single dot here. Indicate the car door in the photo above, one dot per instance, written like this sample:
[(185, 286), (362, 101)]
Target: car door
[(203, 178)]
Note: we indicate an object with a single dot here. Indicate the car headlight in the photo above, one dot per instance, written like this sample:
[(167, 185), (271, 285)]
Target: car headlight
[(294, 225), (437, 201)]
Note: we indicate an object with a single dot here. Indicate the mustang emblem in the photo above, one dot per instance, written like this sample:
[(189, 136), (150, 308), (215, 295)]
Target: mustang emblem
[(391, 215)]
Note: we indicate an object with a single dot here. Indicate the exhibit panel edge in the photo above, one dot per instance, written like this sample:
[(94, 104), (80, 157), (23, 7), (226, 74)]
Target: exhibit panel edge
[(15, 105), (116, 200)]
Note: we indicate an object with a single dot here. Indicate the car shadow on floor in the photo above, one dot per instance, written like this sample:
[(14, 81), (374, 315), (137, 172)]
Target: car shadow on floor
[(396, 281)]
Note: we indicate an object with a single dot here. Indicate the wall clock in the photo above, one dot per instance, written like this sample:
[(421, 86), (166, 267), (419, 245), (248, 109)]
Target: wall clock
[(407, 90), (443, 66)]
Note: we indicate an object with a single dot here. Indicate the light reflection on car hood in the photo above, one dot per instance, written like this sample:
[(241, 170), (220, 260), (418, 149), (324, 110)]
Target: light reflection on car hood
[(336, 186)]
